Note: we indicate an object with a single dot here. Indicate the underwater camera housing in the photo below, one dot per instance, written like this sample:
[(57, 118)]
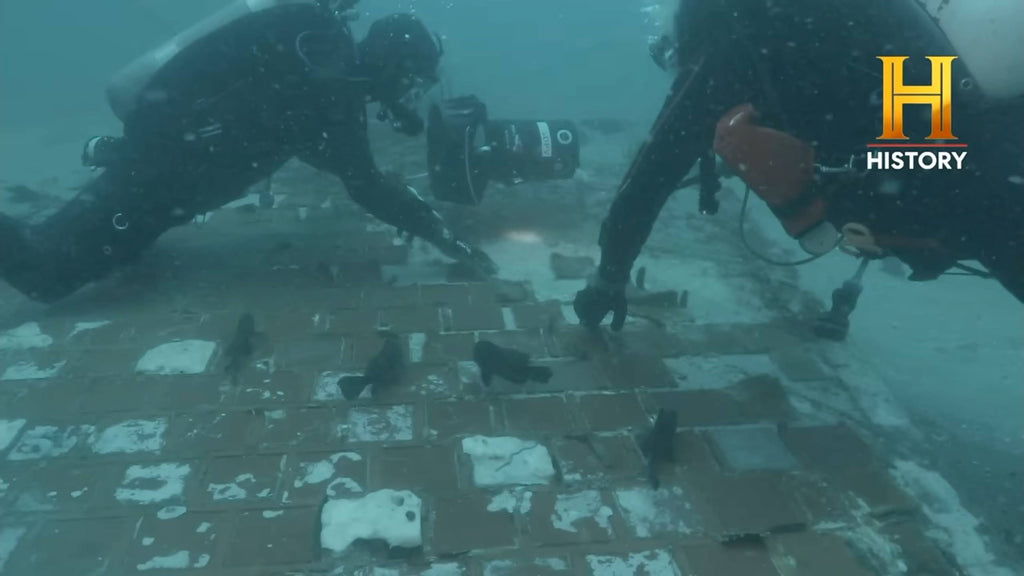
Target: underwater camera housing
[(465, 150)]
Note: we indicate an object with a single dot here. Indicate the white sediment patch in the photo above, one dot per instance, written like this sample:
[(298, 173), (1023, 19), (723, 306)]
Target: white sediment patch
[(571, 508), (86, 326), (648, 511), (323, 470), (170, 512), (511, 501), (512, 568), (152, 484), (867, 538), (433, 384), (712, 295), (179, 357), (507, 461), (552, 563), (956, 529), (655, 562), (343, 486), (380, 424), (178, 560), (389, 515), (447, 569), (30, 371), (24, 337), (49, 441), (131, 437), (231, 490), (327, 388), (702, 373)]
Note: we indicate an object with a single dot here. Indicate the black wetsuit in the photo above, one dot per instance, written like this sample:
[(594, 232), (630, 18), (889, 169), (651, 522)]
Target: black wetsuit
[(223, 114), (810, 67)]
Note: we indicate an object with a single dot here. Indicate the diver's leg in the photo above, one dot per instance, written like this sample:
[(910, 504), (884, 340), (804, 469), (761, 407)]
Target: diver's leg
[(1000, 246), (113, 219), (1010, 274), (107, 224), (995, 210)]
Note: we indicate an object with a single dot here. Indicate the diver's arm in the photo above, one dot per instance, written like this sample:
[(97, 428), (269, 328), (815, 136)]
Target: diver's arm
[(682, 134), (345, 152), (679, 138)]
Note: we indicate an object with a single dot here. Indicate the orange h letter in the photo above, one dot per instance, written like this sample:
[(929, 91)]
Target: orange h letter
[(938, 95)]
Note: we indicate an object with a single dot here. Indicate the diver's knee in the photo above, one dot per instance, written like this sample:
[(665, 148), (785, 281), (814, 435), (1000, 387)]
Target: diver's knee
[(44, 290), (41, 281), (30, 269)]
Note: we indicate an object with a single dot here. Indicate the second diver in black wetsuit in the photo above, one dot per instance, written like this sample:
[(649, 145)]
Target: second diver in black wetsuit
[(787, 92), (221, 107)]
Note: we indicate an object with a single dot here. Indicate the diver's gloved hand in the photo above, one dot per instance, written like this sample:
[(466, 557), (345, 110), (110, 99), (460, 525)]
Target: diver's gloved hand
[(599, 298), (471, 256), (481, 262), (420, 220)]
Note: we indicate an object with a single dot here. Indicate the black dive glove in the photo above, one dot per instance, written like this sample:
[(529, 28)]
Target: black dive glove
[(599, 298), (402, 206), (470, 256)]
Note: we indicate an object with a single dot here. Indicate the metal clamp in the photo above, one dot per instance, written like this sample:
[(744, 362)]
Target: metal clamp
[(859, 241), (847, 168)]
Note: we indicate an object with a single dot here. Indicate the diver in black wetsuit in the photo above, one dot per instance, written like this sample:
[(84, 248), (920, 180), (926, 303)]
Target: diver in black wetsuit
[(788, 94), (222, 107)]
